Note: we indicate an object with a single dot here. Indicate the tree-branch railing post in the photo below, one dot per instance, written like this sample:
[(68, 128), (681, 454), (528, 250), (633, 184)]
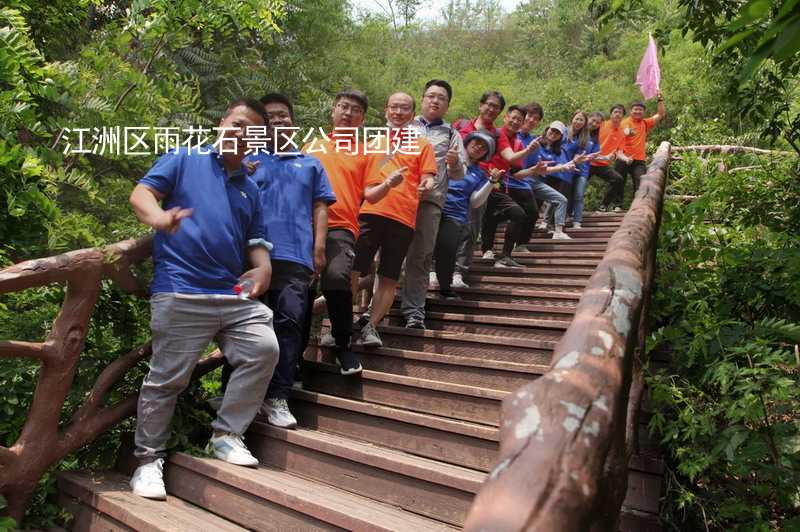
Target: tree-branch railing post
[(565, 440), (41, 444)]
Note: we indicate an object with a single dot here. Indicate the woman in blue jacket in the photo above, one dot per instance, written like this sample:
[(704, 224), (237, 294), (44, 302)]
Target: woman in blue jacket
[(579, 143)]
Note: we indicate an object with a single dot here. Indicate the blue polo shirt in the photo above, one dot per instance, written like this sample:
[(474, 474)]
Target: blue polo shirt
[(456, 207), (290, 185), (572, 148), (548, 155), (208, 252)]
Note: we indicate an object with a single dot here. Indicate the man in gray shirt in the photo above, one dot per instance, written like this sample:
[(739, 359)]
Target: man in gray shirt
[(451, 164)]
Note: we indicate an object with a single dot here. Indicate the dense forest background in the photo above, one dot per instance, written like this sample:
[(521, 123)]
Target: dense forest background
[(728, 297)]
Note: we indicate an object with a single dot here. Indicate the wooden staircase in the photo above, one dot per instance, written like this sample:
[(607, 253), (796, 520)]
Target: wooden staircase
[(406, 445)]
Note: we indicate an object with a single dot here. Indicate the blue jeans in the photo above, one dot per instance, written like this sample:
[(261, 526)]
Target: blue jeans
[(579, 184), (557, 200)]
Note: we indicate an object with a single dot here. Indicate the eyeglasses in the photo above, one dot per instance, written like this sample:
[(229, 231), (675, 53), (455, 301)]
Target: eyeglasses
[(399, 108), (352, 109)]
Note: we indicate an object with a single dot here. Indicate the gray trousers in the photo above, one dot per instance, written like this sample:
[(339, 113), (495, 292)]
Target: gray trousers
[(418, 261), (183, 326), (464, 255)]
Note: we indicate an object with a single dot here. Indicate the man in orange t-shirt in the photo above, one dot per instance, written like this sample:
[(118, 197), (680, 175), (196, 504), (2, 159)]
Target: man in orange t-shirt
[(610, 138), (632, 160), (388, 224), (348, 166)]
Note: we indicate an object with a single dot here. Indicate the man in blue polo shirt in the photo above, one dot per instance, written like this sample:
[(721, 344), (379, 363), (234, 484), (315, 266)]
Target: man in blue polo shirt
[(295, 194), (208, 222)]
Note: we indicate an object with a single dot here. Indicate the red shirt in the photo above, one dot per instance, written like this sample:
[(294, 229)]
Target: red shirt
[(501, 142)]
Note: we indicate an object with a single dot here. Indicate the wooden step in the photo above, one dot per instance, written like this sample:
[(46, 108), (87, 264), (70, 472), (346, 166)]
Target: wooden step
[(567, 253), (268, 499), (484, 373), (416, 484), (446, 399), (525, 281), (104, 501), (552, 295), (542, 268), (395, 317), (535, 349), (498, 308), (489, 325), (462, 443)]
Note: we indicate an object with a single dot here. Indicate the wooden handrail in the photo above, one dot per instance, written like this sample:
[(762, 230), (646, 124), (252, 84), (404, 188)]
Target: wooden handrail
[(566, 437), (41, 444)]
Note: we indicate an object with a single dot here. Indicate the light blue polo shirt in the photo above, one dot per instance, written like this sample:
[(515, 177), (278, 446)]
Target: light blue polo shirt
[(209, 251), (290, 185), (456, 207)]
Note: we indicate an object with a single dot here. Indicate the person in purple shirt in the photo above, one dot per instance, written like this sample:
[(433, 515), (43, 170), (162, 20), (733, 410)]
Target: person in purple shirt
[(295, 194), (208, 221)]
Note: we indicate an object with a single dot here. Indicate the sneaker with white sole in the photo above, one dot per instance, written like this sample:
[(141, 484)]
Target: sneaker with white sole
[(148, 480), (489, 254), (542, 226), (230, 448), (415, 323), (277, 413), (327, 340), (576, 225), (617, 209), (433, 281), (349, 362), (561, 235), (507, 262), (458, 281), (369, 337)]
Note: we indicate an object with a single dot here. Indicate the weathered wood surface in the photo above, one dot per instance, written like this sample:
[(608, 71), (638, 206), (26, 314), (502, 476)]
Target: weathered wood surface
[(566, 438), (724, 148), (41, 444)]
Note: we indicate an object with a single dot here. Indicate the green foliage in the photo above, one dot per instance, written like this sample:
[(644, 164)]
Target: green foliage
[(728, 305)]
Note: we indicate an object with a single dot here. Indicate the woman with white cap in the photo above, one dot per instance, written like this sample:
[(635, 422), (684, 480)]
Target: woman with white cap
[(463, 195)]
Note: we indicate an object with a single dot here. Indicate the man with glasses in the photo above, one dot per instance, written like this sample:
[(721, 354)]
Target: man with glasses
[(448, 150), (389, 224), (348, 166), (500, 205)]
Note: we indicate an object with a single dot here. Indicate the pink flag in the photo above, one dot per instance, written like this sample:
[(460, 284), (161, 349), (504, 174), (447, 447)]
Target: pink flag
[(649, 76)]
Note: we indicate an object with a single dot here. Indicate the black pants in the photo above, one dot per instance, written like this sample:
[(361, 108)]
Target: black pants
[(451, 232), (635, 170), (288, 298), (335, 283), (526, 200), (500, 207), (615, 182)]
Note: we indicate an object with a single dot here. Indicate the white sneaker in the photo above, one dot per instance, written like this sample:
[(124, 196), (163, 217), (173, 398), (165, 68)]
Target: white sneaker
[(561, 235), (230, 448), (576, 225), (617, 209), (489, 255), (278, 413), (542, 226), (433, 281), (148, 480), (458, 281), (327, 340)]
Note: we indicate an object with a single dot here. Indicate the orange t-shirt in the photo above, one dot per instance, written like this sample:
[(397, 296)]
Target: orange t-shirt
[(401, 203), (611, 139), (347, 173), (636, 137)]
